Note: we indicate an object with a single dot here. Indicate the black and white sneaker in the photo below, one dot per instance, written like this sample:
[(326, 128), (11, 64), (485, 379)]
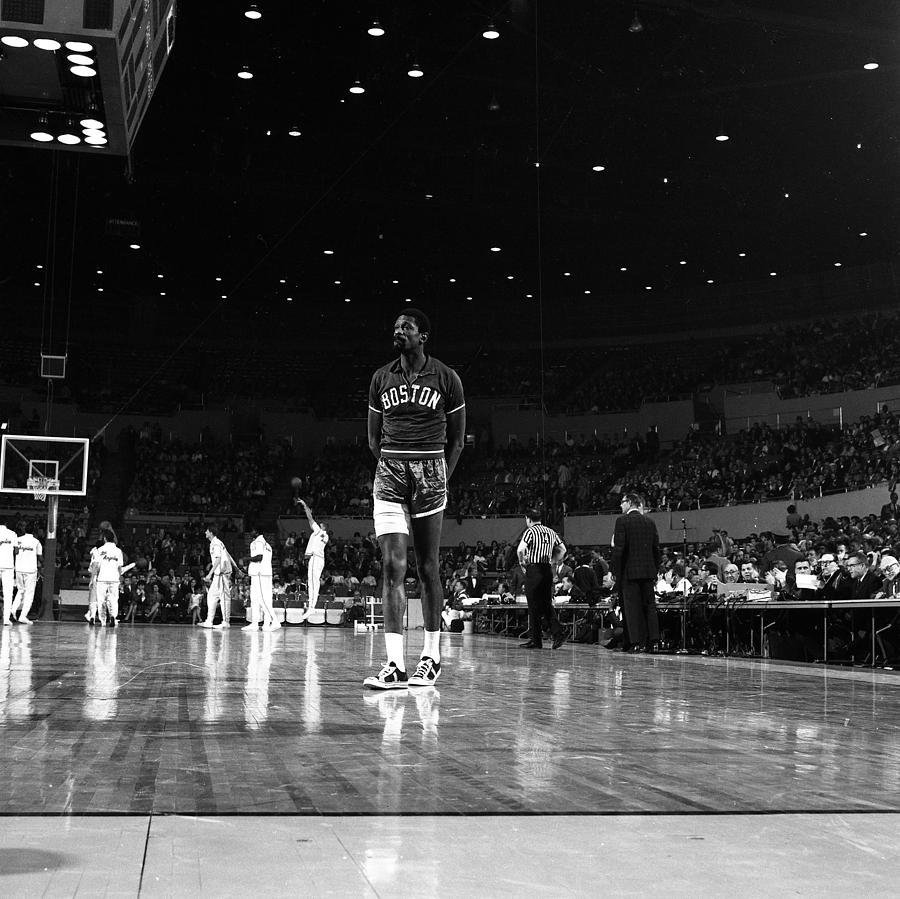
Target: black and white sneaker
[(426, 673), (389, 678)]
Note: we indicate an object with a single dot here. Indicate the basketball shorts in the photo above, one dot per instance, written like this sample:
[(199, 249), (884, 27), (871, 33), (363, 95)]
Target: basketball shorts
[(407, 488)]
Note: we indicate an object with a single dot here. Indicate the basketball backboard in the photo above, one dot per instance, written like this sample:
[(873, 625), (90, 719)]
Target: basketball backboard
[(64, 459)]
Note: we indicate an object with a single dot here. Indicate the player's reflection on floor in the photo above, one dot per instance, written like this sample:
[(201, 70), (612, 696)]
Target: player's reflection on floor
[(392, 704), (16, 692), (256, 687), (101, 681)]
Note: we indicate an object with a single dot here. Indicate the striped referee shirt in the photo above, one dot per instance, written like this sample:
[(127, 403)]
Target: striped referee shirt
[(539, 543)]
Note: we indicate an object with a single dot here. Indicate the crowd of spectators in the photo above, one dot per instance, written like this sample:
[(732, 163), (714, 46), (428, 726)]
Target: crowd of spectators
[(207, 477)]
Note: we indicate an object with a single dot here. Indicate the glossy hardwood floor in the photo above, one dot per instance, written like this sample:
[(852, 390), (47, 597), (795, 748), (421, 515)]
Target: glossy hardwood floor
[(148, 721)]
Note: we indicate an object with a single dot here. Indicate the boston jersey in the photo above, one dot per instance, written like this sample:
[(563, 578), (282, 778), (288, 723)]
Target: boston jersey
[(414, 410)]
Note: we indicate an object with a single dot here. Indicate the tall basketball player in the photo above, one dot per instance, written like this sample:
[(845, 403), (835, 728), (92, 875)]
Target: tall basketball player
[(28, 553), (417, 424), (315, 555), (218, 577)]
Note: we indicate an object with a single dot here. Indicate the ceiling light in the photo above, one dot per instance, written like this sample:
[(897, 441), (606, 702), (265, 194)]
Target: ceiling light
[(39, 266), (337, 282), (837, 265), (357, 88), (587, 291), (395, 282), (328, 252), (721, 138), (786, 196), (453, 280), (218, 279), (160, 276), (598, 168), (636, 26), (92, 123), (773, 274), (47, 43), (79, 47), (709, 280), (409, 299), (623, 269), (245, 73), (495, 249), (37, 283), (490, 32), (99, 290), (682, 261), (648, 287), (290, 299), (69, 139), (12, 40), (280, 281), (99, 271), (346, 299), (415, 71), (224, 296), (83, 71), (742, 254), (162, 293), (77, 59), (863, 233), (375, 29), (134, 246), (96, 141), (871, 65), (252, 12), (494, 105), (509, 277), (567, 274), (528, 296), (294, 131), (468, 298), (41, 136), (93, 132)]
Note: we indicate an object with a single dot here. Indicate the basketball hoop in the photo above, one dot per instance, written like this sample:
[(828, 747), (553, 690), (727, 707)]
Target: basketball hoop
[(41, 486)]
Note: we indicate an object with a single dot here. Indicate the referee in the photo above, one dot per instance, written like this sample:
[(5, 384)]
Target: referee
[(539, 547)]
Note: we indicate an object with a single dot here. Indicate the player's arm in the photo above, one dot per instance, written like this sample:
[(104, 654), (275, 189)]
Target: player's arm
[(374, 432), (559, 552), (456, 438), (312, 524)]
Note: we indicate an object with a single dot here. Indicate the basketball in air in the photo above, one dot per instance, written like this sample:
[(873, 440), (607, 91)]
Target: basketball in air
[(296, 482)]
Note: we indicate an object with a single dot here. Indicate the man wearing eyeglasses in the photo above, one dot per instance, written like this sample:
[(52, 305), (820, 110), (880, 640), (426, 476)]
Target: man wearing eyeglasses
[(866, 583), (890, 587), (836, 583)]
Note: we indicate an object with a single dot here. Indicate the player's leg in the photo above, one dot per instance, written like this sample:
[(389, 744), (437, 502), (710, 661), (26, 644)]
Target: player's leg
[(91, 613), (254, 604), (7, 576), (426, 532), (393, 604), (113, 601), (314, 577), (28, 596), (265, 599), (225, 601), (19, 581), (212, 600)]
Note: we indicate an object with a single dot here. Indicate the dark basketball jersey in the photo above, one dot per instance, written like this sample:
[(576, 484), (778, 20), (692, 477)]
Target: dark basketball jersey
[(414, 410)]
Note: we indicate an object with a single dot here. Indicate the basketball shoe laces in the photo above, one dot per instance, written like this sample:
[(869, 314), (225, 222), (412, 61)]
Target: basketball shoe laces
[(424, 668)]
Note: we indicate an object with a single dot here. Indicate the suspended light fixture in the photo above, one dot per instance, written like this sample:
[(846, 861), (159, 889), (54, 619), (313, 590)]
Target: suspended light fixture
[(598, 168), (96, 140), (294, 131), (78, 59), (245, 73), (92, 123), (252, 12), (490, 33), (721, 137), (79, 47), (357, 88), (47, 43), (12, 40), (636, 26), (375, 29), (494, 105), (870, 65), (415, 71), (69, 139), (83, 71)]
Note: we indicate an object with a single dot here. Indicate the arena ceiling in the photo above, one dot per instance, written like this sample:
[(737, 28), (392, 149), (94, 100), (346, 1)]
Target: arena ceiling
[(581, 142)]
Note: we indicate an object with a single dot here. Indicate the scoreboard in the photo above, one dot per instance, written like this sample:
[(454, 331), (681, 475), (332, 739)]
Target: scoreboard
[(79, 76)]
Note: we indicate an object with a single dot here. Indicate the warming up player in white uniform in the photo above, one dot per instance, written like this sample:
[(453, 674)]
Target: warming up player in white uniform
[(260, 571), (219, 579), (28, 551), (93, 568), (8, 538), (109, 572), (315, 553)]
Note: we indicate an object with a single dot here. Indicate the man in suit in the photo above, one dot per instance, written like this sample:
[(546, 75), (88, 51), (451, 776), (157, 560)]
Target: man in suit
[(635, 562)]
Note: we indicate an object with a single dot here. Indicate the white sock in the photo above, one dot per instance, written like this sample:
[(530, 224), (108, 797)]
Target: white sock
[(394, 645), (432, 647)]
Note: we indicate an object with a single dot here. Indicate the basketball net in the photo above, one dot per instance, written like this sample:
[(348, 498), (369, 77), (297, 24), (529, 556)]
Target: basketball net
[(41, 486)]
